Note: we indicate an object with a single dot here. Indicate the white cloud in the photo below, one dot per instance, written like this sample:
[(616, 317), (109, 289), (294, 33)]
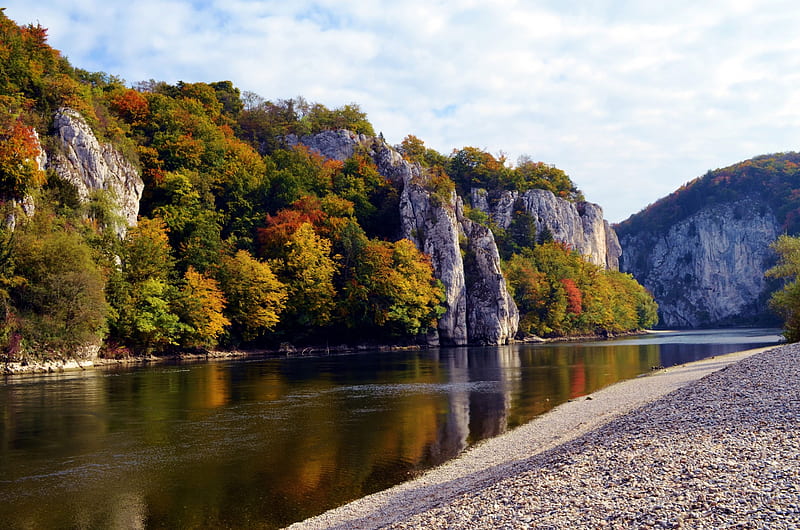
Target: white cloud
[(631, 98)]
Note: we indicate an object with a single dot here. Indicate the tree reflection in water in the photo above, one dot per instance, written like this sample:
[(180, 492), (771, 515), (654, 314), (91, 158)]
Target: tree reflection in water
[(268, 442)]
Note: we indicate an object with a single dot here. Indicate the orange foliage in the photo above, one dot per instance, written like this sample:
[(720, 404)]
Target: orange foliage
[(132, 107), (574, 296), (282, 226), (19, 171), (203, 303)]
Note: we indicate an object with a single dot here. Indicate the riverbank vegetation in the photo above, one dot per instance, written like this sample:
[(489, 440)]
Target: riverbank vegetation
[(786, 302), (559, 292), (243, 240)]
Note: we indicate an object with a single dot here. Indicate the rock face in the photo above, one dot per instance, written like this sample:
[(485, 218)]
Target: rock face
[(464, 255), (492, 315), (90, 165), (578, 224), (41, 157), (707, 269)]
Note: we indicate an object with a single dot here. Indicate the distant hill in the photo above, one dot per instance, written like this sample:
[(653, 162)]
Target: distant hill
[(702, 250)]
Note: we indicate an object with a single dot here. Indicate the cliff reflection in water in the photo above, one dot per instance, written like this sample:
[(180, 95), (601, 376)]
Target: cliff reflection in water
[(269, 442)]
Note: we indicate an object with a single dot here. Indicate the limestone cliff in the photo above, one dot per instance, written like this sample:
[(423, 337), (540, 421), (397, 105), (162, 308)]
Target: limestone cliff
[(89, 165), (578, 224), (492, 315), (708, 268), (479, 308)]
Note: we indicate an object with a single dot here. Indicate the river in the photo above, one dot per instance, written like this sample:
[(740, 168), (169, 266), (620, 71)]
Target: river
[(262, 443)]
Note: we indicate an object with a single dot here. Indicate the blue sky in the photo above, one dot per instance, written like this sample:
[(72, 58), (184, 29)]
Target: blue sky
[(630, 98)]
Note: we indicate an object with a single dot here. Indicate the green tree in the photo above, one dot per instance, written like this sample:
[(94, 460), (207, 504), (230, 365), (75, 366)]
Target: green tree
[(786, 302), (60, 299), (141, 292), (146, 317)]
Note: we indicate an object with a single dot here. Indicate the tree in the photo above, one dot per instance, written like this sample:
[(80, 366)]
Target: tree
[(393, 288), (60, 299), (559, 292), (200, 307), (146, 252), (19, 148), (307, 268), (414, 150), (786, 302), (255, 296), (132, 107), (8, 280), (146, 318), (140, 290)]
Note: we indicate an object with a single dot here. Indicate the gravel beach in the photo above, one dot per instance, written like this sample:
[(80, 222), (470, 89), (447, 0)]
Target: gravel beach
[(711, 444)]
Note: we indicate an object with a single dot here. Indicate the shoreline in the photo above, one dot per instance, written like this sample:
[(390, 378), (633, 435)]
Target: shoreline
[(58, 366), (497, 459)]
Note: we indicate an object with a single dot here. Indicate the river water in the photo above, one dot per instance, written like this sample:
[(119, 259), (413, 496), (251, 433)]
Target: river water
[(264, 443)]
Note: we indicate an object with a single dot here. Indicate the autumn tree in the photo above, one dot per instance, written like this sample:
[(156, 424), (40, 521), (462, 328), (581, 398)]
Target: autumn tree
[(559, 292), (132, 106), (307, 268), (414, 150), (537, 175), (393, 288), (19, 170), (256, 297), (200, 306)]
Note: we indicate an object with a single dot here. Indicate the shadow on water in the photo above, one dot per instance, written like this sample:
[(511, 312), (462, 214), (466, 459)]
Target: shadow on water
[(263, 443)]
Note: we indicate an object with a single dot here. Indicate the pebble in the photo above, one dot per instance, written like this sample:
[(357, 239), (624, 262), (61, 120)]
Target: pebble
[(722, 452)]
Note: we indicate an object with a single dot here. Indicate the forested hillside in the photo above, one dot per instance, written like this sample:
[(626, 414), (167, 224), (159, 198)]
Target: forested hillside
[(771, 179), (244, 236)]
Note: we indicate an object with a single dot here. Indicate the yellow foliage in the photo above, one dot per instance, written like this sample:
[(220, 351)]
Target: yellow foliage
[(255, 296), (202, 304)]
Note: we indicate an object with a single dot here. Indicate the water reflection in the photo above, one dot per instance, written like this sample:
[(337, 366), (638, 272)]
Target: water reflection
[(268, 442)]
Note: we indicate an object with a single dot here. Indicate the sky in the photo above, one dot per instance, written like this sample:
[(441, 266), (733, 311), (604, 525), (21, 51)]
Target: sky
[(631, 98)]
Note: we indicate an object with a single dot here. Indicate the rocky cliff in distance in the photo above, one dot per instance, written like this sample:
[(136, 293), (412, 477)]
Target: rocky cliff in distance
[(90, 166), (578, 224), (707, 269), (480, 309)]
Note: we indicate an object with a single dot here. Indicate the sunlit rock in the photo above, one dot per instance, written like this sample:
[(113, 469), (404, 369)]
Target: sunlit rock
[(90, 166), (479, 307), (578, 224)]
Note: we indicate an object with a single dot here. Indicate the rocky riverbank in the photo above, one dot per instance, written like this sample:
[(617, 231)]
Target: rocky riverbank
[(711, 444), (60, 365)]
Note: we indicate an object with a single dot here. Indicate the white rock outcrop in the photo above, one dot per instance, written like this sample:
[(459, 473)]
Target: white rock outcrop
[(480, 309), (89, 165), (492, 315), (578, 224)]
